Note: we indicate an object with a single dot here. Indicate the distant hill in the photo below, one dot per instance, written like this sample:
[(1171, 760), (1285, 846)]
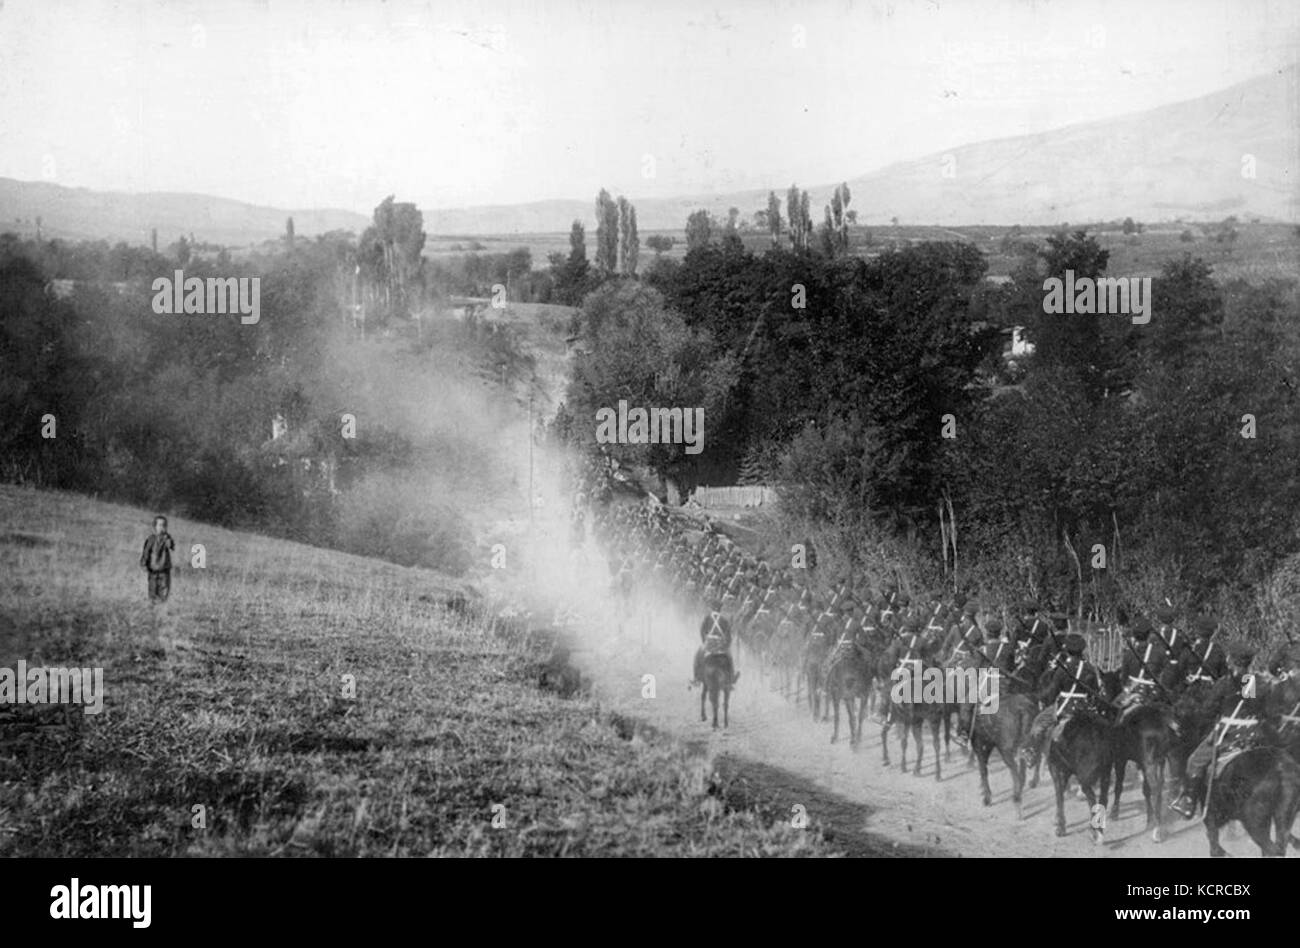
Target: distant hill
[(1176, 161), (79, 213)]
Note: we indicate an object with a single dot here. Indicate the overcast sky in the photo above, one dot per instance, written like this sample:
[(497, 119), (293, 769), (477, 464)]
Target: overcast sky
[(333, 104)]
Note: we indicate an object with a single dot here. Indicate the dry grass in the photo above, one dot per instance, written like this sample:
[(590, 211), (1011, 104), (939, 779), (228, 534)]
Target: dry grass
[(232, 698)]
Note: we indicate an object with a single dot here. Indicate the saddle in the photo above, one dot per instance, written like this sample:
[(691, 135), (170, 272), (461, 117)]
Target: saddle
[(846, 650), (1131, 700)]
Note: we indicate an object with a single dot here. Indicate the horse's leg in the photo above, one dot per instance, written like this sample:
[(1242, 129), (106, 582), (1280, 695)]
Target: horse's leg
[(1096, 824), (982, 757), (726, 707), (904, 727), (855, 717), (934, 735), (1258, 822), (1121, 763), (832, 695), (704, 696), (713, 700), (918, 722), (1154, 789), (1016, 770), (1058, 782)]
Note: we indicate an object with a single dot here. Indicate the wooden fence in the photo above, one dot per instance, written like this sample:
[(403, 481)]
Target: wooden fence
[(733, 496), (1105, 648)]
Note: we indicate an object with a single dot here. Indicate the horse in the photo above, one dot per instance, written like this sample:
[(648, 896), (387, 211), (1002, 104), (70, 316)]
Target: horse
[(1004, 730), (1195, 715), (782, 652), (912, 715), (848, 677), (1144, 735), (1261, 788), (716, 677), (1083, 750)]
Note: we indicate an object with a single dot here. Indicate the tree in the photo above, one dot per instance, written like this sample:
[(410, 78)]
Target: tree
[(636, 348), (774, 217), (624, 229), (288, 233), (805, 206), (1129, 227), (391, 250), (1077, 342), (798, 210), (699, 230), (629, 244), (660, 243), (633, 241), (572, 275), (606, 234), (840, 211), (830, 242)]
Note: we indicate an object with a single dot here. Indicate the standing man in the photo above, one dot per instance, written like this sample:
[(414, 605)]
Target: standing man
[(156, 560)]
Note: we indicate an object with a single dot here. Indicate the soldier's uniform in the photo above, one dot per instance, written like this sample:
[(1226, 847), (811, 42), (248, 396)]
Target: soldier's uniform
[(1177, 645), (996, 651), (908, 649), (1142, 667), (1070, 689), (1206, 660), (1238, 726)]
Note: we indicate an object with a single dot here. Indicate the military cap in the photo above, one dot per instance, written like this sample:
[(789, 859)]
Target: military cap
[(1205, 625), (993, 628), (1140, 627), (971, 609), (1075, 643), (912, 623), (1166, 614)]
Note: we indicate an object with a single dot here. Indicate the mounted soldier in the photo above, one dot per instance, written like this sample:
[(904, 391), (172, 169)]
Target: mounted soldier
[(996, 651), (1142, 667), (715, 640), (1073, 684), (1237, 729), (1206, 660)]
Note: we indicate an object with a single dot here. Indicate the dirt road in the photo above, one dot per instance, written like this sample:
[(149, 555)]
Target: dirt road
[(778, 754)]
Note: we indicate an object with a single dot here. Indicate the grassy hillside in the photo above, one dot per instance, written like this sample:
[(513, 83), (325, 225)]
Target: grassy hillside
[(231, 698)]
